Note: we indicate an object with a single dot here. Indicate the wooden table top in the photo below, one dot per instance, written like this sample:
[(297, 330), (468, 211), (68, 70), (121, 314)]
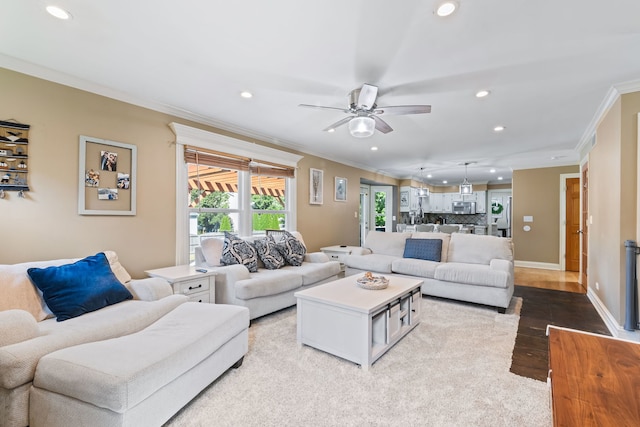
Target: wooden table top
[(595, 379)]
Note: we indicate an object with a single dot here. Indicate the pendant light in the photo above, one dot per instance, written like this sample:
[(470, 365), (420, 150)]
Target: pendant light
[(422, 192), (465, 187)]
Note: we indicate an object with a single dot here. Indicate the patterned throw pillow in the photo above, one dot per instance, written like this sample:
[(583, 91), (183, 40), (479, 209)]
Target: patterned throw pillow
[(292, 249), (237, 251), (427, 249), (268, 253)]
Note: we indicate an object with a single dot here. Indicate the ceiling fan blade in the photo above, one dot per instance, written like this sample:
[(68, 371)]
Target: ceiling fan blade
[(320, 107), (403, 109), (337, 124), (381, 125), (367, 96)]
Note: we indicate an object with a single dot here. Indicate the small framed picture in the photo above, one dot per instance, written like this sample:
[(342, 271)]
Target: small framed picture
[(315, 186), (340, 189)]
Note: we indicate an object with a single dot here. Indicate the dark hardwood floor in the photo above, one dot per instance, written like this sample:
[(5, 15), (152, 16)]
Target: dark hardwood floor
[(544, 305)]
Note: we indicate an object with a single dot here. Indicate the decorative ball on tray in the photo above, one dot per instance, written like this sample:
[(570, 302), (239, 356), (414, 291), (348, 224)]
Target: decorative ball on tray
[(369, 281)]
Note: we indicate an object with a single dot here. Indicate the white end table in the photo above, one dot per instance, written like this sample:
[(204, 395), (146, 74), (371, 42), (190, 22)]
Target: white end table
[(338, 253), (184, 279)]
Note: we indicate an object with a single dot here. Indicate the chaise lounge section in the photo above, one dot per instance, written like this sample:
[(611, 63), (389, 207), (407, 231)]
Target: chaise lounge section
[(30, 334)]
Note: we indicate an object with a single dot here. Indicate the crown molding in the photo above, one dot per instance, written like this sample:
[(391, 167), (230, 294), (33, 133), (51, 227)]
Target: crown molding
[(609, 99), (28, 68)]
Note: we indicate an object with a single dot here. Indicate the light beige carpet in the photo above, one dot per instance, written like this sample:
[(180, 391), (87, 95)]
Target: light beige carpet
[(452, 370)]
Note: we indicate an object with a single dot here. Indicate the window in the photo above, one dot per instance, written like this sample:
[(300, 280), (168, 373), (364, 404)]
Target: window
[(225, 184)]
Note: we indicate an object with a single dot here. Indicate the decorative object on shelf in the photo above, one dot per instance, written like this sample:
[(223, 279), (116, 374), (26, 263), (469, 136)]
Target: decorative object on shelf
[(1, 194), (465, 187), (340, 189), (98, 161), (315, 186), (371, 282), (14, 139)]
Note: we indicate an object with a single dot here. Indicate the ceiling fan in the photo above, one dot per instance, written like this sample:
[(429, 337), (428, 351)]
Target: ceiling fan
[(366, 113)]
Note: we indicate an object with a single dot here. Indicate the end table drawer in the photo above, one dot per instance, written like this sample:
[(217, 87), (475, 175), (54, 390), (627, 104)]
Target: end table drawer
[(193, 286), (204, 297)]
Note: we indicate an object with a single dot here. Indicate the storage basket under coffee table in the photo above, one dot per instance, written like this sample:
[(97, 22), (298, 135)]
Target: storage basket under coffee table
[(357, 324)]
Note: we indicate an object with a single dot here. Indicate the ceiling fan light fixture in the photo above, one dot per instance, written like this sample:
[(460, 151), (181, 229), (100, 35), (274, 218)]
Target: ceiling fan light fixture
[(362, 126), (58, 12), (446, 8)]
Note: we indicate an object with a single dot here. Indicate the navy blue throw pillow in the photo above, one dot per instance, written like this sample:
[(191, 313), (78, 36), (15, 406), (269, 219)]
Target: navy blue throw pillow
[(429, 249), (72, 290)]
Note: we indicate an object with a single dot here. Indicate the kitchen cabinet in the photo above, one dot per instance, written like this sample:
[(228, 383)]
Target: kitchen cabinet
[(436, 202), (481, 201), (447, 201), (409, 200)]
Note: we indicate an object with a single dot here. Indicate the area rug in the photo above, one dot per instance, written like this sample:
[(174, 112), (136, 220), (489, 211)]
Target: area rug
[(451, 370)]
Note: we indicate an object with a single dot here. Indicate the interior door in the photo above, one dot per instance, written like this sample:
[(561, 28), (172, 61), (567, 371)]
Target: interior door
[(584, 232), (364, 212), (572, 221)]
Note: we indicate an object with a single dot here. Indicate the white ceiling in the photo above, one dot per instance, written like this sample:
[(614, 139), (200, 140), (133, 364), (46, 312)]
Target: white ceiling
[(548, 64)]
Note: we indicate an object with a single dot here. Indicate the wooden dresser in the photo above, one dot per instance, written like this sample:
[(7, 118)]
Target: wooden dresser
[(595, 379)]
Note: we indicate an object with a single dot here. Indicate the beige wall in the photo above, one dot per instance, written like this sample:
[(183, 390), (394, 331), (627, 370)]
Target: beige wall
[(46, 224), (536, 192), (613, 196)]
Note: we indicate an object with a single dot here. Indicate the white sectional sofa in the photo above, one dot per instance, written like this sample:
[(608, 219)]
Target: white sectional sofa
[(264, 291), (472, 268), (134, 362)]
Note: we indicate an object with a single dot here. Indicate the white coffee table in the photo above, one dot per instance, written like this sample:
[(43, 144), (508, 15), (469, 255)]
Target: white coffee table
[(357, 324)]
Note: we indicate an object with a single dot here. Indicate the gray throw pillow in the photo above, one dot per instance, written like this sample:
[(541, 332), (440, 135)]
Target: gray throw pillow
[(292, 249), (237, 251), (268, 253)]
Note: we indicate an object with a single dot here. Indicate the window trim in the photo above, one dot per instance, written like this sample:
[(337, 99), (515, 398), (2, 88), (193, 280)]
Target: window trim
[(186, 135)]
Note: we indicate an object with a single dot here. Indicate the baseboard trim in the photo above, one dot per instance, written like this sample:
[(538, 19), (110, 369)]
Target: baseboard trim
[(540, 265), (612, 324)]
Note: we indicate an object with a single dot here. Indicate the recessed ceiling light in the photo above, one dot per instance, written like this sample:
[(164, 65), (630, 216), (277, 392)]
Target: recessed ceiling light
[(482, 93), (331, 130), (58, 12), (374, 148), (499, 178), (446, 8), (444, 182), (499, 128), (492, 170), (429, 176), (246, 94)]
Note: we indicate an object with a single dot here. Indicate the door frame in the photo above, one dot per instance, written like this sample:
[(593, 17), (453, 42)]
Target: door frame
[(365, 191), (389, 215), (563, 217)]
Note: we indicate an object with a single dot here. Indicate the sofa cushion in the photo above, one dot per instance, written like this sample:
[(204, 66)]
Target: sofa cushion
[(427, 249), (445, 237), (315, 272), (268, 253), (477, 249), (18, 361), (373, 262), (267, 282), (72, 290), (415, 267), (292, 249), (17, 326), (384, 243), (238, 251), (18, 292), (212, 250), (120, 373), (472, 274), (121, 274)]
